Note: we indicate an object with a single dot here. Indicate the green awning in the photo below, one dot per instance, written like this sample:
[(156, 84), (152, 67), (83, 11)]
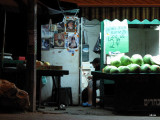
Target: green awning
[(155, 21)]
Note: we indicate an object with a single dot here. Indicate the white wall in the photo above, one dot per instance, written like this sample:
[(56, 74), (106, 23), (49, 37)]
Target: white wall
[(143, 41), (92, 30), (61, 57)]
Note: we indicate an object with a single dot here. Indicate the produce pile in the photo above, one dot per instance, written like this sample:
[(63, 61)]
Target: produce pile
[(134, 64)]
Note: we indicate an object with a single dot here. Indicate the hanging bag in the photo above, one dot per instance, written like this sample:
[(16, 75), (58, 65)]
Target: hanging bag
[(97, 47)]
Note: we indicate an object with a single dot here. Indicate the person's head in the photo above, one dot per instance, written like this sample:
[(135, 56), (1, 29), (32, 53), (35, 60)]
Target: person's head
[(72, 39), (70, 24), (96, 62)]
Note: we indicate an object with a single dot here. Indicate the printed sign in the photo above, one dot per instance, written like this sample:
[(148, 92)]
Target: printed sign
[(116, 36)]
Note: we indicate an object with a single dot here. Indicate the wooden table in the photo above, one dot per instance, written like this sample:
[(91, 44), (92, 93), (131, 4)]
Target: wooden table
[(53, 73), (133, 91)]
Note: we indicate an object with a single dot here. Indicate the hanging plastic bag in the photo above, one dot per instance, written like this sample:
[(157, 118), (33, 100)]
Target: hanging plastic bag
[(44, 80), (97, 47)]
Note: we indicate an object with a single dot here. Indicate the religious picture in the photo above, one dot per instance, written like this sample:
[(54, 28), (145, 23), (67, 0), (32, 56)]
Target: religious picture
[(72, 41), (45, 44), (70, 26), (77, 26), (59, 40), (51, 42), (45, 32)]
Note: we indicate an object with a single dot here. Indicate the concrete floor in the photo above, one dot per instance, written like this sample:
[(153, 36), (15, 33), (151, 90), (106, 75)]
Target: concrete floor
[(75, 113)]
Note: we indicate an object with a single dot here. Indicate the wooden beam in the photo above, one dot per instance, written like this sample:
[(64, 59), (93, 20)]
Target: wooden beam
[(31, 52), (115, 3)]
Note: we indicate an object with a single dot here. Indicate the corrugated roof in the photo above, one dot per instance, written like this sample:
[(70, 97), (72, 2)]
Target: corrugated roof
[(116, 3)]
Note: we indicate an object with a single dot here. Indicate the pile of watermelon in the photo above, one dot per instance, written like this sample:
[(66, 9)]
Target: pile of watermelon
[(134, 64)]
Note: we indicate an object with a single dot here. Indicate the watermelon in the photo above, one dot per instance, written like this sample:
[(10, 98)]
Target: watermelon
[(155, 60), (147, 59), (125, 60), (137, 59), (155, 68), (115, 62), (134, 68), (145, 68), (124, 69), (114, 70), (107, 69)]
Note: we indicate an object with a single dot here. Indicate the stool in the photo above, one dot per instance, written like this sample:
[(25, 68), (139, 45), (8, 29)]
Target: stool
[(66, 96)]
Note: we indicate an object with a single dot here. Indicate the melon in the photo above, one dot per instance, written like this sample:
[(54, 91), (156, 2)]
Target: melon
[(114, 70), (137, 59), (134, 68), (145, 68), (155, 68), (155, 60), (125, 60), (115, 62), (124, 69), (147, 59), (107, 69)]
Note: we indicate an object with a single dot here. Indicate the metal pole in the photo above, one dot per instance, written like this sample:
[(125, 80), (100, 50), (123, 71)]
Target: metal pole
[(3, 44)]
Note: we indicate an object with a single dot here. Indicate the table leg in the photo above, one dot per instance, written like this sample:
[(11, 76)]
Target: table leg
[(40, 86), (58, 92), (94, 92)]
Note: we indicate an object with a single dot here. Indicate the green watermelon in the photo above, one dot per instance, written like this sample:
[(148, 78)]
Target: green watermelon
[(137, 59), (107, 69), (134, 68), (125, 60), (115, 62), (155, 68), (147, 59), (124, 69), (145, 68), (114, 70), (155, 60)]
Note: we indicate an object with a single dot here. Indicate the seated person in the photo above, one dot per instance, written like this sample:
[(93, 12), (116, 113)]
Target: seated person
[(87, 92)]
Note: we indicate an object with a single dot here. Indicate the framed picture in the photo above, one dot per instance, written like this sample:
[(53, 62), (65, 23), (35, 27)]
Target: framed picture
[(73, 41), (60, 27), (59, 40), (45, 44), (51, 42), (77, 25), (45, 31), (70, 26)]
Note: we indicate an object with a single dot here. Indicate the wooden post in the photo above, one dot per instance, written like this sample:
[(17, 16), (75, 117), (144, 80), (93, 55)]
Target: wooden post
[(32, 51), (3, 43)]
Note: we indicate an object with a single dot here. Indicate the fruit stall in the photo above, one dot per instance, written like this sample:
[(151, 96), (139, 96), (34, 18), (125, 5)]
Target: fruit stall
[(132, 91), (130, 69)]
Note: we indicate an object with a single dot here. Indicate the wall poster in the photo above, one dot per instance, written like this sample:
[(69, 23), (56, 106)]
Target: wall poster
[(46, 37), (59, 40), (45, 44)]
